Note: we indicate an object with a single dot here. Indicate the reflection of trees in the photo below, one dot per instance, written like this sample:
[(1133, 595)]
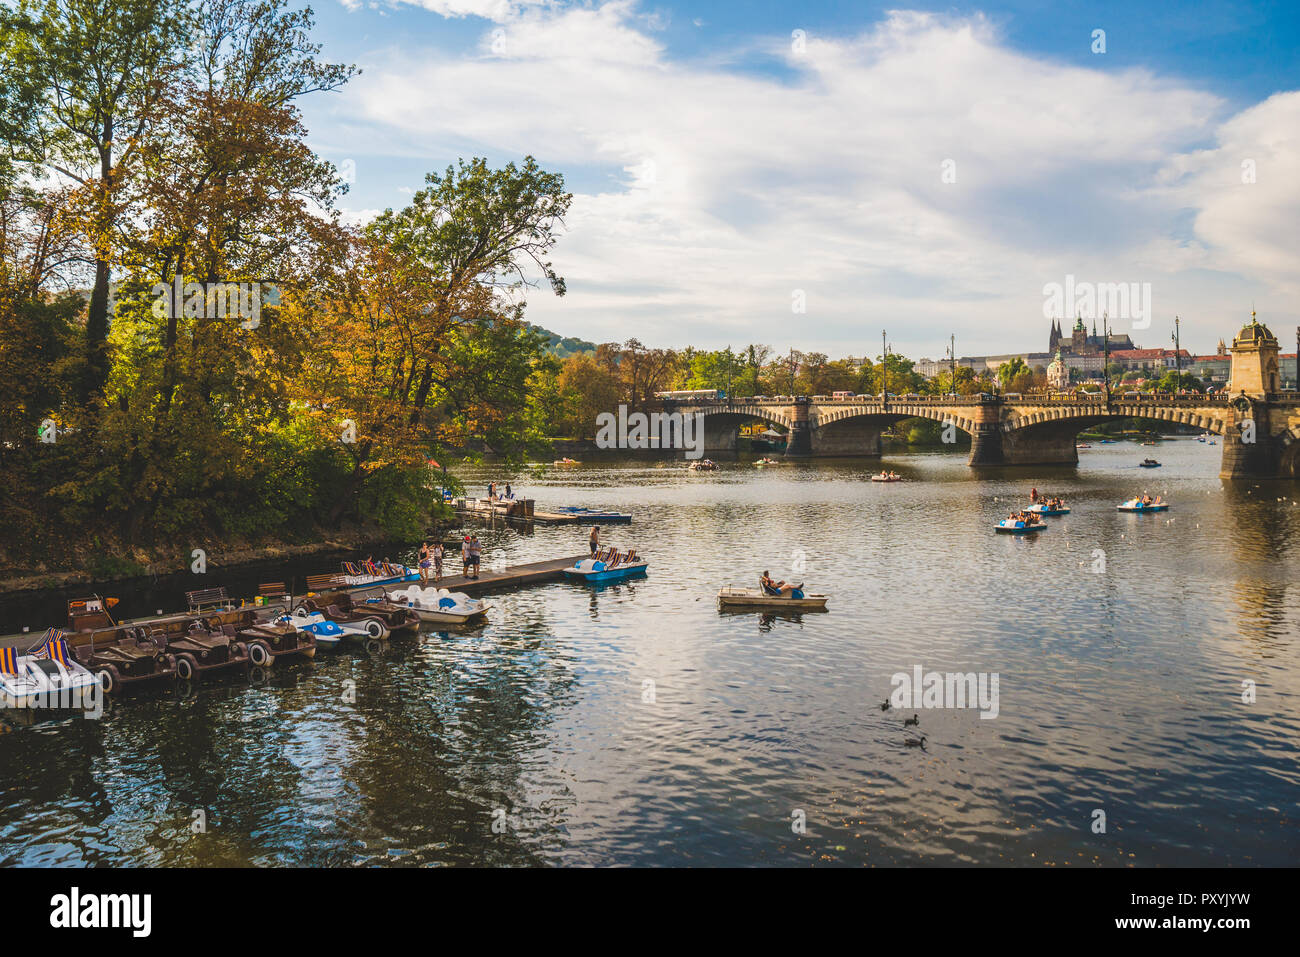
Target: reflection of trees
[(446, 743)]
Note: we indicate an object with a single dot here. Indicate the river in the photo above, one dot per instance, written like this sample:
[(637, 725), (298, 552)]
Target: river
[(636, 724)]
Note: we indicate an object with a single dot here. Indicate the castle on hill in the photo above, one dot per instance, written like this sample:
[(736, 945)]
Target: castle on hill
[(1081, 343)]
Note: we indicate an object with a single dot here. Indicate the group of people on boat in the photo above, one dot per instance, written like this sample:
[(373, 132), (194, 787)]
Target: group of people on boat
[(1029, 518), (1146, 499), (782, 589), (1052, 503), (889, 477)]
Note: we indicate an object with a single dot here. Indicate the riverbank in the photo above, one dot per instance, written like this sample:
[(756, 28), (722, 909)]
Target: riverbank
[(90, 565)]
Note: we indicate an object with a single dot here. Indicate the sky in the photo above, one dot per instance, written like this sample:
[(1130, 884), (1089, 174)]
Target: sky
[(809, 174)]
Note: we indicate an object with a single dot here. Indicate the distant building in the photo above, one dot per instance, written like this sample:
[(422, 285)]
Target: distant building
[(1058, 374), (1080, 343)]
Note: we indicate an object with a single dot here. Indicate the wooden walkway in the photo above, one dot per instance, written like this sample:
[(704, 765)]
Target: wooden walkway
[(488, 580)]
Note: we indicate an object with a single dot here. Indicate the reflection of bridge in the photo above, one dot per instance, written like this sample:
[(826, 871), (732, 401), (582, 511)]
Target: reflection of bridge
[(1260, 426)]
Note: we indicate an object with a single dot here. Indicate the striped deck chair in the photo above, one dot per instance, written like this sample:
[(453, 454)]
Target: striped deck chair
[(614, 560), (630, 557), (9, 661), (53, 647)]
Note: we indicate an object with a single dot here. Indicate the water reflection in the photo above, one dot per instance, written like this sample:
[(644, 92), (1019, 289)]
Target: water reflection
[(532, 739)]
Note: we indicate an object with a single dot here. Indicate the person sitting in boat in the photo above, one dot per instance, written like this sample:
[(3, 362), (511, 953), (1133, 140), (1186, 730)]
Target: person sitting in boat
[(779, 588)]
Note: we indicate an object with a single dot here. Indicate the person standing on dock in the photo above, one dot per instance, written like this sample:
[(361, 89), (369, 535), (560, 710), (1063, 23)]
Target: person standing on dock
[(595, 538), (492, 491), (424, 563), (475, 554), (464, 558), (437, 561)]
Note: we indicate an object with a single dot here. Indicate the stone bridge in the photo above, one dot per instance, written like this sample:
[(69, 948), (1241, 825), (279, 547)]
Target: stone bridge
[(1261, 432)]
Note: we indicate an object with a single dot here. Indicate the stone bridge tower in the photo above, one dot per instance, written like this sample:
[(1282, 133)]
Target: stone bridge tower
[(1248, 446)]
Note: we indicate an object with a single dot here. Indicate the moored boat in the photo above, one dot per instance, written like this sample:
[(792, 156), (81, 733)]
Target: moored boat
[(438, 604), (731, 596), (608, 565), (327, 634), (47, 677)]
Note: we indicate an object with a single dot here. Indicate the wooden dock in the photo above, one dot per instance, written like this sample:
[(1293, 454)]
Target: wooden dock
[(488, 580), (523, 511)]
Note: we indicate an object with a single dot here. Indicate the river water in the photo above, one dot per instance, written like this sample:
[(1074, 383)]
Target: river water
[(637, 724)]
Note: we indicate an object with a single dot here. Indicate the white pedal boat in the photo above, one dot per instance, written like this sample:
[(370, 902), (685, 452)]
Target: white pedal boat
[(43, 684), (367, 628), (731, 596), (438, 604), (328, 634)]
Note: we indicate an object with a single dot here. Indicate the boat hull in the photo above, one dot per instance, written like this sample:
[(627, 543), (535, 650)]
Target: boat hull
[(753, 598), (1142, 508), (608, 574)]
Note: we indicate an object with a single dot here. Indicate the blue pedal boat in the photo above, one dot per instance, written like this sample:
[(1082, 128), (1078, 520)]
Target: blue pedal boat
[(608, 565), (1044, 510), (1009, 527)]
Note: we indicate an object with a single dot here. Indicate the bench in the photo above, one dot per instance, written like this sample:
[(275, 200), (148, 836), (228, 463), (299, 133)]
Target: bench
[(325, 582), (203, 598), (273, 590)]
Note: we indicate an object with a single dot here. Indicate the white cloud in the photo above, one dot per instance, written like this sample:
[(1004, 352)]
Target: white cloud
[(821, 170)]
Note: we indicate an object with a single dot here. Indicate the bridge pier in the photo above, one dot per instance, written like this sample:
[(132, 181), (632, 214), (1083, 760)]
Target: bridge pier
[(799, 445), (1249, 449), (986, 436)]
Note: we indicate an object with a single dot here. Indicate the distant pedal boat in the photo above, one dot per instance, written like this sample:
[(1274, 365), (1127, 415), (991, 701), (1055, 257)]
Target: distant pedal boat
[(730, 596), (438, 604), (608, 565), (1009, 527), (1044, 510)]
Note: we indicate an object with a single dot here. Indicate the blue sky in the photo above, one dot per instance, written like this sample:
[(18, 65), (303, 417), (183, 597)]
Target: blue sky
[(927, 170)]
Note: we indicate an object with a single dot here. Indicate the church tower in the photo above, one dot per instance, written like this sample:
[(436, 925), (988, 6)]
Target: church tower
[(1254, 361)]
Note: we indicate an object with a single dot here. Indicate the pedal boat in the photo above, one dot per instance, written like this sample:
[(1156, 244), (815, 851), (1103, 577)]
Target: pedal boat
[(731, 596), (608, 566), (438, 604), (1016, 527), (124, 656), (1148, 464), (204, 649), (1133, 505), (365, 609), (1044, 510), (327, 634), (50, 681), (882, 477)]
